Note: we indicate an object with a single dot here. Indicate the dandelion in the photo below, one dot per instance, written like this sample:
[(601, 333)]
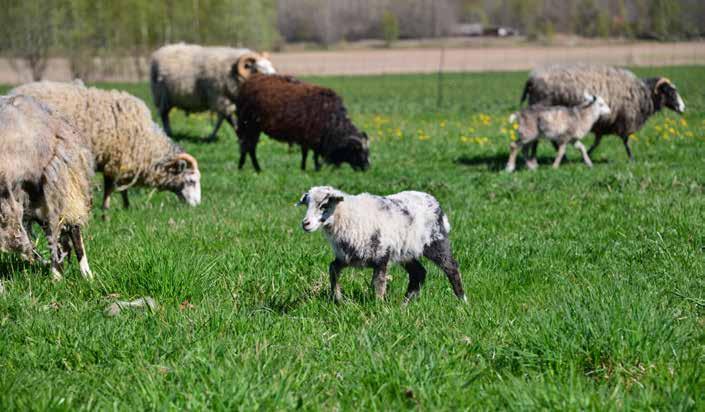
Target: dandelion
[(684, 122)]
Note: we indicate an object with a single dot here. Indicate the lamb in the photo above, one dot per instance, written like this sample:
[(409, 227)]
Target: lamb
[(292, 111), (373, 231), (561, 125), (45, 171), (631, 99), (195, 79), (129, 148)]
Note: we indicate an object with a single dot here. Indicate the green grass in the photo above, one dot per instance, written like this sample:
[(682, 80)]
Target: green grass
[(586, 287)]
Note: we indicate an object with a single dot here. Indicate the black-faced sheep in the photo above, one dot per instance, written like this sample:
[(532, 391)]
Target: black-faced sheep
[(373, 231), (631, 99), (128, 147), (292, 111), (196, 79), (559, 124), (45, 172)]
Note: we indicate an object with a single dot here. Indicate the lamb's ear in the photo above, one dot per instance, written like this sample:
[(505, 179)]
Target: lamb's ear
[(303, 201)]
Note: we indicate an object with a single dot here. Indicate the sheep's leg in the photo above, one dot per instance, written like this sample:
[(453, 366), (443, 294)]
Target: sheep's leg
[(316, 162), (625, 140), (108, 188), (304, 155), (580, 146), (379, 280), (439, 252), (214, 134), (60, 248), (598, 139), (80, 250), (253, 156), (513, 152), (164, 114), (559, 155), (231, 121), (417, 276), (125, 199), (334, 270)]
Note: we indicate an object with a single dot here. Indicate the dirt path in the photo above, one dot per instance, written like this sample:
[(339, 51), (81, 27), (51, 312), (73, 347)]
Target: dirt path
[(428, 60)]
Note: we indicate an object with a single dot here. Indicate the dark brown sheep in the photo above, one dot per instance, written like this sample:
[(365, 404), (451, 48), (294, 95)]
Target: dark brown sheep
[(292, 111)]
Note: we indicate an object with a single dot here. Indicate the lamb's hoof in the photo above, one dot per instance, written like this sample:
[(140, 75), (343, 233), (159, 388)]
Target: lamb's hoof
[(509, 169), (532, 165), (56, 276)]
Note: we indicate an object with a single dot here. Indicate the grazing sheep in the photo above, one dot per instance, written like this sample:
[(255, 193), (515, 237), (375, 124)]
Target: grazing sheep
[(561, 125), (372, 231), (129, 148), (631, 99), (196, 79), (292, 111), (45, 172)]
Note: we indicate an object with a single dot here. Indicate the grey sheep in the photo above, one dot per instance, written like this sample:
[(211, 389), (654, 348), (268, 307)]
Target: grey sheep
[(45, 171), (128, 147), (631, 99), (559, 124), (195, 79)]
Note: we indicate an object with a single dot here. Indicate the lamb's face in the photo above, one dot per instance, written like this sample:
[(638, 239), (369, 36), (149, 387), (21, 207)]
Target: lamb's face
[(321, 203), (602, 107)]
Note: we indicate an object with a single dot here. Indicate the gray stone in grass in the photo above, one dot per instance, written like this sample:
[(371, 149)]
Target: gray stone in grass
[(115, 308)]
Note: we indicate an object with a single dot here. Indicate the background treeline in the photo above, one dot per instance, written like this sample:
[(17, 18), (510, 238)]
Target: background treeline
[(92, 33)]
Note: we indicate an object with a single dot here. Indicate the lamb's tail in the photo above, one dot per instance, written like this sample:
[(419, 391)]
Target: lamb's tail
[(513, 117), (525, 93)]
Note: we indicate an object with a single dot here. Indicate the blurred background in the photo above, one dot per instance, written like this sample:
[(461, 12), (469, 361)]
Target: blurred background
[(112, 40)]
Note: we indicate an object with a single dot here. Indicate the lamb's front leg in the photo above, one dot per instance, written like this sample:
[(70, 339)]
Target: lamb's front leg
[(559, 155), (379, 279), (334, 270), (586, 158)]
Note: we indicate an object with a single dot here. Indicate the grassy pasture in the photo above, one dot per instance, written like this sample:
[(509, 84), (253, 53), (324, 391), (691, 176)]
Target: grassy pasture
[(586, 287)]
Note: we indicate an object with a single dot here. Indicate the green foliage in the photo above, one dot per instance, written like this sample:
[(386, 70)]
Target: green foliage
[(665, 18), (390, 28), (585, 286)]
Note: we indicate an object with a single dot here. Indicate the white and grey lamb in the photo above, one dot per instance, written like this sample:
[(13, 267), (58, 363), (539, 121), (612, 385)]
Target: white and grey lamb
[(195, 79), (632, 100), (128, 147), (559, 124), (45, 172), (373, 231)]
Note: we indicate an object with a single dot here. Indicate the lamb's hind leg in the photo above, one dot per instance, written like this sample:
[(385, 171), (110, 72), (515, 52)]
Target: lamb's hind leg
[(214, 134), (439, 252), (417, 276), (60, 248), (625, 140), (379, 280), (586, 158), (559, 155), (80, 250), (514, 148), (164, 114), (304, 155)]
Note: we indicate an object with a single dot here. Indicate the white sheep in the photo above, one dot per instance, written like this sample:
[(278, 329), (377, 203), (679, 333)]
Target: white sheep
[(129, 148), (372, 231), (195, 79), (561, 125), (45, 172)]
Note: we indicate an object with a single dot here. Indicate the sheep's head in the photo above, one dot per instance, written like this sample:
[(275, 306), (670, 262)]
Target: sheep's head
[(180, 175), (251, 63), (353, 149), (321, 202), (666, 94), (599, 104)]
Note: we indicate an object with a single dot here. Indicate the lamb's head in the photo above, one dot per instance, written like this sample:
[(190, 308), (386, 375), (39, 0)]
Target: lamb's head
[(353, 148), (598, 104), (251, 63), (321, 202), (666, 94), (179, 174)]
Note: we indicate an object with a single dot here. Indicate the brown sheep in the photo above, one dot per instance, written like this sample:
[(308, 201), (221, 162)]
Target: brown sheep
[(292, 111)]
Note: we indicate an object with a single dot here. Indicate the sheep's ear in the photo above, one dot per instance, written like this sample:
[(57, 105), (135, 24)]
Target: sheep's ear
[(177, 167), (335, 199), (303, 201)]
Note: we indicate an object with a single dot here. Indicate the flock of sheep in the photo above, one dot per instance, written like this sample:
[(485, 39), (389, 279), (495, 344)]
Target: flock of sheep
[(54, 136)]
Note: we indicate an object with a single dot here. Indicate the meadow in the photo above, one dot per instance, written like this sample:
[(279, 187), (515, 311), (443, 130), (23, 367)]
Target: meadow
[(586, 288)]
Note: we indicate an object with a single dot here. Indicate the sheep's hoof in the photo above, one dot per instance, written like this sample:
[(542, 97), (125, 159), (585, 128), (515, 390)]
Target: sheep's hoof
[(56, 276), (509, 169)]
